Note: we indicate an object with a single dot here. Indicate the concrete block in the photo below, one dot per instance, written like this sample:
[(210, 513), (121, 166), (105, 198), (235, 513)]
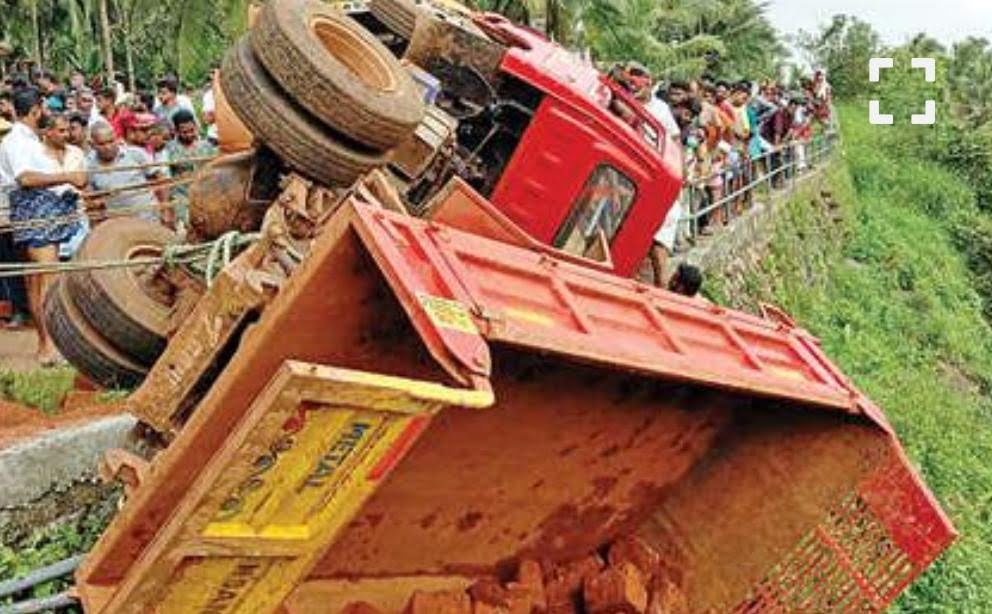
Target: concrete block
[(55, 459)]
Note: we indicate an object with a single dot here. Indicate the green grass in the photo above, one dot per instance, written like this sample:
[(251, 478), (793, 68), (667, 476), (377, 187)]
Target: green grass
[(890, 292), (42, 388), (51, 544)]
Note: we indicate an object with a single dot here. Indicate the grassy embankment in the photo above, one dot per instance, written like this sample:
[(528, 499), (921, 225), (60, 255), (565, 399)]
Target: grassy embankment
[(890, 293)]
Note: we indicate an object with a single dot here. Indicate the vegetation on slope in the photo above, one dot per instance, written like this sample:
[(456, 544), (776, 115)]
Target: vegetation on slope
[(891, 291)]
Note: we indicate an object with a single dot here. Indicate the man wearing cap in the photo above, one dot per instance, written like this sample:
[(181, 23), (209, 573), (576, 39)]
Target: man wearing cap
[(136, 127)]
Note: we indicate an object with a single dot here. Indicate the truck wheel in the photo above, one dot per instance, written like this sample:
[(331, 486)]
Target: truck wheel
[(83, 346), (125, 304), (399, 16), (338, 71), (285, 127)]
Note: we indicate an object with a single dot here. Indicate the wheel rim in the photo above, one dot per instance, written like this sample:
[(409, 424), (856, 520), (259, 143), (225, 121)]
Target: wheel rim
[(355, 54), (149, 278)]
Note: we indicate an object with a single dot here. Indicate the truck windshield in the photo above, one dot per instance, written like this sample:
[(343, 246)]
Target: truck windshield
[(601, 207)]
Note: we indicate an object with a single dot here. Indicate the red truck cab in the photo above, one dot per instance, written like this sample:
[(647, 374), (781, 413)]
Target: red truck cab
[(583, 173)]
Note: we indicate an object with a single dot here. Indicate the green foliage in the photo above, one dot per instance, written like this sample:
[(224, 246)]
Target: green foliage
[(891, 294), (186, 37), (687, 38), (42, 388), (843, 48), (674, 38), (54, 543), (969, 77)]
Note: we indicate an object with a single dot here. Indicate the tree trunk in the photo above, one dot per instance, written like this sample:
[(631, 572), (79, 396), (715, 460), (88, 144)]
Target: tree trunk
[(125, 19), (129, 58), (108, 43), (553, 16), (36, 26)]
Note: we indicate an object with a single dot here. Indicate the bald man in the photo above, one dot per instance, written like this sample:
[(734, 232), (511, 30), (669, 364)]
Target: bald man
[(107, 154)]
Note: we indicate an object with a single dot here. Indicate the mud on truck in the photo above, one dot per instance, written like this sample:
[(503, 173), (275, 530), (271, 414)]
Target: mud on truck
[(429, 382)]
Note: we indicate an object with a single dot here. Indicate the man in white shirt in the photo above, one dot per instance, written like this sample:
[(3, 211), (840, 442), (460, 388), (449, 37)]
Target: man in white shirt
[(209, 107), (38, 189), (68, 159), (665, 239), (659, 108)]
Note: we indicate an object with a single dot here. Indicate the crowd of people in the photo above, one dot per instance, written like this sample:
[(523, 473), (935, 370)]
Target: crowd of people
[(732, 134), (83, 151)]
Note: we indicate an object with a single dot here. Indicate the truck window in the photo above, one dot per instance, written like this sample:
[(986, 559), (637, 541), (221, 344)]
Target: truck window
[(601, 207)]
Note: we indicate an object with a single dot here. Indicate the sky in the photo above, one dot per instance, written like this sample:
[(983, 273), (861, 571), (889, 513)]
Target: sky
[(896, 20)]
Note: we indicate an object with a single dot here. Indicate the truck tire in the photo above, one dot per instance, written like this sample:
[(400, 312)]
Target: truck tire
[(82, 345), (400, 16), (286, 128), (131, 317), (335, 68)]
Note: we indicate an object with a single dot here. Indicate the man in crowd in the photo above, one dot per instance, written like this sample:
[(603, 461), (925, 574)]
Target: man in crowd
[(50, 90), (822, 96), (658, 107), (77, 81), (79, 131), (108, 113), (209, 108), (159, 137), (170, 100), (776, 131), (664, 243), (69, 159), (137, 127), (687, 281), (38, 188), (185, 147), (86, 105), (11, 288), (6, 112), (114, 166)]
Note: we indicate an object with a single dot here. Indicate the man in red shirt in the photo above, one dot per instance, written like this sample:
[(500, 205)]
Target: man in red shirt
[(106, 102)]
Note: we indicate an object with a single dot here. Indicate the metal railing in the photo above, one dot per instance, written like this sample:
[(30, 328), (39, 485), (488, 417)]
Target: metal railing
[(737, 187)]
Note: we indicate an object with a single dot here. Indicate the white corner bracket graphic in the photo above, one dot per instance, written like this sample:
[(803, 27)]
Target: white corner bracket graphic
[(928, 117), (875, 66), (929, 66), (875, 115), (877, 118)]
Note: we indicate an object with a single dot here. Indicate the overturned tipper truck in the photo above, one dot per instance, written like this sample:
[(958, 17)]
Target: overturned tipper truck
[(419, 383)]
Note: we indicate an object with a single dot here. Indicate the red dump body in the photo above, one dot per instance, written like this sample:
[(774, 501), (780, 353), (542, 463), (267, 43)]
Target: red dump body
[(572, 134), (728, 442)]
